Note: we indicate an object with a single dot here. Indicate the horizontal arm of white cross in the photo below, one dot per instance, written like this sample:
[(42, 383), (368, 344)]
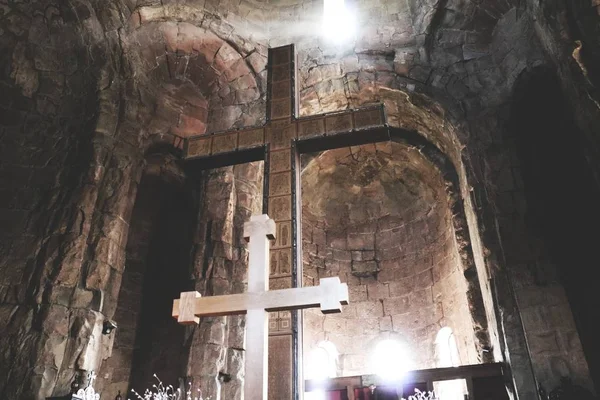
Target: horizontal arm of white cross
[(330, 295)]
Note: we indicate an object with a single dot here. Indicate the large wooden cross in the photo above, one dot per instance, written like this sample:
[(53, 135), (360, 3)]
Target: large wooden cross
[(279, 142), (257, 301)]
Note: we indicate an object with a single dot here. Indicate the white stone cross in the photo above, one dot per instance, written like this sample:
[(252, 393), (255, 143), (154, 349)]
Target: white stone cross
[(258, 301)]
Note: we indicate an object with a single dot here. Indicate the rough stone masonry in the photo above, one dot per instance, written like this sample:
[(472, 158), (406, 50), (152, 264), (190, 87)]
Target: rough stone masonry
[(483, 227)]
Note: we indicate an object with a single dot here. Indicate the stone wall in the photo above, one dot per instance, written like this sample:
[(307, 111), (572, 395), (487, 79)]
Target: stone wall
[(545, 245), (147, 340), (216, 349), (378, 217), (50, 323), (88, 86)]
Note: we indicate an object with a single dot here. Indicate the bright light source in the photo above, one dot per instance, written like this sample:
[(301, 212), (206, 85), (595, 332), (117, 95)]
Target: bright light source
[(315, 395), (322, 361), (391, 360), (338, 21)]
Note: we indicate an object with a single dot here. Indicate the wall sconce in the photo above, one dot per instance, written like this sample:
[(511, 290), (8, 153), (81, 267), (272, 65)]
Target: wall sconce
[(108, 326)]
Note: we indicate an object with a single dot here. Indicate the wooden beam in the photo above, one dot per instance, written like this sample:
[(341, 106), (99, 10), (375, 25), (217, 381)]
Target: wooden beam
[(417, 376), (325, 131)]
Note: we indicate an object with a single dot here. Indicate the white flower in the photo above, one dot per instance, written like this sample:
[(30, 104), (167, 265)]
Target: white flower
[(162, 392)]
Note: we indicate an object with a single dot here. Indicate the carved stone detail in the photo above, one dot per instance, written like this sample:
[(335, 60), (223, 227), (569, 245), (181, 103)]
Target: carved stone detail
[(281, 108), (251, 138), (280, 208), (284, 235), (280, 161), (280, 183), (280, 134), (338, 123), (224, 143), (199, 147)]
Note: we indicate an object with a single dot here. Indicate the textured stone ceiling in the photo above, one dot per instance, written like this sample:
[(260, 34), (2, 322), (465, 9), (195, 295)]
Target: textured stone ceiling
[(381, 25), (352, 186), (199, 65)]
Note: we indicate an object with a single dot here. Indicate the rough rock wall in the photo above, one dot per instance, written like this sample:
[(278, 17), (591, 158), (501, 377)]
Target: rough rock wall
[(77, 120), (378, 217), (448, 80), (50, 323), (470, 90), (147, 340), (568, 32), (232, 195)]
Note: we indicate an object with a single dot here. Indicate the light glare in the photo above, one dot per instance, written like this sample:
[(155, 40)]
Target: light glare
[(338, 21), (391, 360)]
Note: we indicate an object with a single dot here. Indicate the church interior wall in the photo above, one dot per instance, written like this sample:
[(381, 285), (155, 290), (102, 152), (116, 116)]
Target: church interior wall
[(220, 257), (156, 270), (86, 85), (399, 258), (536, 248)]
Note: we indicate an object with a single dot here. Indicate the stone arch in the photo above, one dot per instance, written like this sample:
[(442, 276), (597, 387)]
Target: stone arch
[(446, 349), (185, 71), (550, 262), (367, 255), (433, 122), (157, 268)]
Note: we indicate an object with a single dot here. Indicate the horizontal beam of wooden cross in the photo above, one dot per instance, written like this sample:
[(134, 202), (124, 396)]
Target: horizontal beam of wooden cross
[(330, 295), (314, 133)]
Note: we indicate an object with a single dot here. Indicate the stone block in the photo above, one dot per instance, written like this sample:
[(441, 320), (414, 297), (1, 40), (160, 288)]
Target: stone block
[(377, 291), (403, 286), (354, 362), (236, 326), (367, 309), (332, 324), (319, 237), (337, 240), (386, 275), (364, 268), (535, 319), (363, 327), (421, 298), (357, 293), (98, 275), (385, 323), (389, 253), (342, 255), (396, 305), (543, 343), (424, 279), (361, 241), (531, 296)]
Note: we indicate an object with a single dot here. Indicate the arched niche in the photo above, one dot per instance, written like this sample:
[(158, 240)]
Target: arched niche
[(148, 340), (378, 216), (548, 222)]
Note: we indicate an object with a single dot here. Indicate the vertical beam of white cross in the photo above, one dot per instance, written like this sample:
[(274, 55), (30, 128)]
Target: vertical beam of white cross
[(258, 301), (258, 231)]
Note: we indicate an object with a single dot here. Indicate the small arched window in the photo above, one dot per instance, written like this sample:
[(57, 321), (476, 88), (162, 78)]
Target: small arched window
[(446, 353), (391, 360), (445, 349), (322, 361)]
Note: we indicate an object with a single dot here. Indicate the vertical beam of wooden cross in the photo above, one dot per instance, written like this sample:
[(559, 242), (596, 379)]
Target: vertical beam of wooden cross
[(279, 143), (257, 301)]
